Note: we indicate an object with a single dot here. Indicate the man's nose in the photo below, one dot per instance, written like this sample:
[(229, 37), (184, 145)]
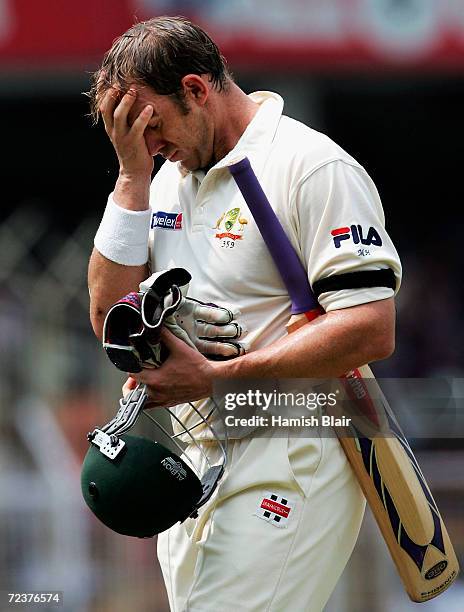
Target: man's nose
[(154, 145)]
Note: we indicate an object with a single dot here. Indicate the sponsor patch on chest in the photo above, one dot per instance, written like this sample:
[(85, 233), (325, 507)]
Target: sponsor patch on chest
[(166, 220), (275, 509)]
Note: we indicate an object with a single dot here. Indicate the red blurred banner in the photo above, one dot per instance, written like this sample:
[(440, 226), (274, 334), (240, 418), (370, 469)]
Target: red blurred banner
[(43, 32), (263, 34)]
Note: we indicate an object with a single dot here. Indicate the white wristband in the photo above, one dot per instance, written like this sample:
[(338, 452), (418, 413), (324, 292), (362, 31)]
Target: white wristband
[(123, 234)]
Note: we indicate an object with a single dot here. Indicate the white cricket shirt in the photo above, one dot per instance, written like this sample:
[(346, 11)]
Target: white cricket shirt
[(202, 223), (326, 202)]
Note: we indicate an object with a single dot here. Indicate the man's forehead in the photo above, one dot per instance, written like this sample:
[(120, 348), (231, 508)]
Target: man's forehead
[(144, 93), (144, 96)]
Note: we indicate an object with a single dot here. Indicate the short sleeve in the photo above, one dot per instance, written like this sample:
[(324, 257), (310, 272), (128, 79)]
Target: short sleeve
[(342, 236)]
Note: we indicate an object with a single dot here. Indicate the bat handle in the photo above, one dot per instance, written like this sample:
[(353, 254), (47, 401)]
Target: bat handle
[(279, 246)]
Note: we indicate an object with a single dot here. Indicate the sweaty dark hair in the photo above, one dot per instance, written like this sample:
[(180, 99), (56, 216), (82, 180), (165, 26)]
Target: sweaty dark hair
[(158, 53)]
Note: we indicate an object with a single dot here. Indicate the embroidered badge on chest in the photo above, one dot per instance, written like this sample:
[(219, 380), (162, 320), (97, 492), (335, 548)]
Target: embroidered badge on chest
[(230, 227), (275, 509)]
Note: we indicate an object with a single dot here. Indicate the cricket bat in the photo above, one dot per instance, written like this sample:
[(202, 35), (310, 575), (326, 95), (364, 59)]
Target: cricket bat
[(384, 464)]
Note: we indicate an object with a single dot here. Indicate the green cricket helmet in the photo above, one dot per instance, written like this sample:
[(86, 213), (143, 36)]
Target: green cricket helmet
[(142, 491), (138, 487)]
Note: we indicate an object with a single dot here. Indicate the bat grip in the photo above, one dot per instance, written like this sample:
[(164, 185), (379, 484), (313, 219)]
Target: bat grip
[(284, 255)]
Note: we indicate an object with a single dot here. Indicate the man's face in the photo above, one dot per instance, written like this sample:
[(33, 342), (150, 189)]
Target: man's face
[(178, 137)]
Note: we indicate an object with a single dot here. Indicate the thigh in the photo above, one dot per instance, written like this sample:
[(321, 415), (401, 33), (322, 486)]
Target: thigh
[(178, 547), (177, 555), (276, 537)]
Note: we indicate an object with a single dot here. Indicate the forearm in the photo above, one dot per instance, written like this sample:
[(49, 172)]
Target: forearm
[(132, 192), (328, 347), (121, 244), (109, 281)]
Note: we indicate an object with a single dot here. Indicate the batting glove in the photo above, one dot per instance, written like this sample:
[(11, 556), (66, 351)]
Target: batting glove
[(211, 329)]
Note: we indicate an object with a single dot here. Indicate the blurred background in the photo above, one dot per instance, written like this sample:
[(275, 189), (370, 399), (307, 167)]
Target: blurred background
[(383, 78)]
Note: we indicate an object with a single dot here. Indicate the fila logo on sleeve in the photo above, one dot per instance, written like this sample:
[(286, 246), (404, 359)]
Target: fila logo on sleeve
[(274, 509), (165, 220), (357, 234)]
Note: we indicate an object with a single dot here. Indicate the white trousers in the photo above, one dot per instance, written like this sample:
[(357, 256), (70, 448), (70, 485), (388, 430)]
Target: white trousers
[(274, 538)]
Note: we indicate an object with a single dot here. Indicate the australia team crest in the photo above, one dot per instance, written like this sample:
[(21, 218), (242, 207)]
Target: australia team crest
[(230, 227)]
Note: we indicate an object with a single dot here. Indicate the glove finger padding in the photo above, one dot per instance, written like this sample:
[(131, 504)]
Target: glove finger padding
[(212, 349), (213, 341), (209, 313), (210, 328), (232, 331), (220, 351)]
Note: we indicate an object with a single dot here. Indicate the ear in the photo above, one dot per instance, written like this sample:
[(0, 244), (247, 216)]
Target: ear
[(196, 88)]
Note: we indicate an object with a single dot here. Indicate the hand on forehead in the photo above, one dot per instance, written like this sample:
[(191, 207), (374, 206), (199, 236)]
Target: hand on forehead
[(136, 98), (143, 96)]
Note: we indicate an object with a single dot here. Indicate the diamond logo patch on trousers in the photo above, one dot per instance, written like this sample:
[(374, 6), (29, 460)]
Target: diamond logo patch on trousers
[(275, 509)]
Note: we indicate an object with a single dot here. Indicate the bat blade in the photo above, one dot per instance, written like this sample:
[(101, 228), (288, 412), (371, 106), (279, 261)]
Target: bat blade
[(384, 465), (401, 501)]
